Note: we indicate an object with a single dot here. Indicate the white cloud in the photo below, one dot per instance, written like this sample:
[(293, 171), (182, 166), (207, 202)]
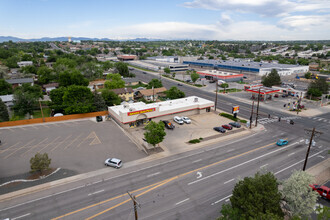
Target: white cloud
[(305, 22)]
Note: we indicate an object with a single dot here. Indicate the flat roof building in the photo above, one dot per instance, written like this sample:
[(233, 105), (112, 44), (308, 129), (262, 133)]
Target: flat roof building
[(138, 113), (225, 76), (261, 68)]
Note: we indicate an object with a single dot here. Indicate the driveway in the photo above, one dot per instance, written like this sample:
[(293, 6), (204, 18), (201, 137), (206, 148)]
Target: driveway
[(80, 145)]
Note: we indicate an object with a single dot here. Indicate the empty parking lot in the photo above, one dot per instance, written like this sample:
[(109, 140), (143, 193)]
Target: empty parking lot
[(80, 145)]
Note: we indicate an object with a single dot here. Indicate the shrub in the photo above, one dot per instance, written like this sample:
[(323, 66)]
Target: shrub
[(194, 141)]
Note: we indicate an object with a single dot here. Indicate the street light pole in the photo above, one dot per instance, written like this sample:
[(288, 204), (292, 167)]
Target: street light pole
[(251, 115), (258, 107), (216, 96)]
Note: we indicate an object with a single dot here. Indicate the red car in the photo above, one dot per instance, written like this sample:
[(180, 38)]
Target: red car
[(322, 190), (228, 127)]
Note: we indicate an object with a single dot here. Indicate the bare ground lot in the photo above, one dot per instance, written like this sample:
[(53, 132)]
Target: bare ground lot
[(81, 145)]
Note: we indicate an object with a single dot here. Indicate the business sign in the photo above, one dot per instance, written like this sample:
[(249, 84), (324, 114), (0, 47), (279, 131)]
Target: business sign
[(141, 111), (235, 109)]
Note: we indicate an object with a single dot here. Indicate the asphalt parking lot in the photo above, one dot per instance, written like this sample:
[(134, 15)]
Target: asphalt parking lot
[(80, 145)]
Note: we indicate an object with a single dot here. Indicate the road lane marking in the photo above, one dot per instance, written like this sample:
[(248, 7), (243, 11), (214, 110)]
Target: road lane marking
[(213, 203), (301, 140), (264, 165), (320, 156), (181, 201), (96, 192), (228, 181), (21, 216), (230, 168), (197, 160), (291, 154), (230, 150), (227, 200), (297, 163), (154, 174)]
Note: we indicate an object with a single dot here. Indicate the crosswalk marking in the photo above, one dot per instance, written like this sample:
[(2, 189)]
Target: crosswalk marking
[(274, 119)]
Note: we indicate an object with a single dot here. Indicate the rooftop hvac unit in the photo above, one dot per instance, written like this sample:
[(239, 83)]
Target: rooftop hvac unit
[(195, 99)]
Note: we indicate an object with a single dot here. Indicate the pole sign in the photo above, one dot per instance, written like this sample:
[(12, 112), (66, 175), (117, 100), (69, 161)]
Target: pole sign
[(235, 109)]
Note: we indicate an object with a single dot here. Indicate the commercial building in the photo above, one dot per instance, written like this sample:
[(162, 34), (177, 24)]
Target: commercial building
[(225, 76), (260, 68), (126, 57), (170, 59), (135, 114)]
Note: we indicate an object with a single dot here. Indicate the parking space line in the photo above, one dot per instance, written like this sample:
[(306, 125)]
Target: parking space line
[(33, 147), (48, 144), (61, 142), (73, 141), (4, 150), (19, 149), (45, 126)]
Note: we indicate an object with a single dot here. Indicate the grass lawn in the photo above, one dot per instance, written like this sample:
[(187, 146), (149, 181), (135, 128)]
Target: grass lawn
[(36, 114), (140, 68), (138, 85), (230, 90)]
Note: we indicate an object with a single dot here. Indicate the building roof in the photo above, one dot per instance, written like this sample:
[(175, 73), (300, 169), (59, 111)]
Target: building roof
[(97, 82), (219, 74), (122, 90), (263, 90), (50, 85), (21, 80), (191, 101), (7, 98), (149, 92)]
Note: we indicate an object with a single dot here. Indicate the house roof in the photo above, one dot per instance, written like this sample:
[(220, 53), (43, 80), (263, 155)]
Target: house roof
[(97, 82), (7, 98), (149, 92), (50, 85), (21, 80), (122, 90)]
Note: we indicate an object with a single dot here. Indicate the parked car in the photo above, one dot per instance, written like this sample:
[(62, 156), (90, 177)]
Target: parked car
[(58, 114), (219, 129), (113, 162), (285, 95), (282, 142), (168, 125), (228, 127), (99, 118), (235, 124), (186, 120), (276, 95), (178, 120), (244, 77), (322, 190), (179, 84), (144, 72), (188, 80)]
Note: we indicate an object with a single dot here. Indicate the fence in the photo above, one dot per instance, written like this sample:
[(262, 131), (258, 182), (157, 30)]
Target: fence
[(52, 119)]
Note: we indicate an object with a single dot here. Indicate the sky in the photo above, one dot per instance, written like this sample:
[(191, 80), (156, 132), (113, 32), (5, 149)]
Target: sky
[(167, 19)]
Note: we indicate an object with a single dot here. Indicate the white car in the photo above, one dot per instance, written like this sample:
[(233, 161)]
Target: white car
[(186, 119), (178, 120), (113, 162)]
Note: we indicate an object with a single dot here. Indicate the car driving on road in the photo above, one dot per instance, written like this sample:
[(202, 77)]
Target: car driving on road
[(322, 190), (178, 120), (113, 162), (281, 142)]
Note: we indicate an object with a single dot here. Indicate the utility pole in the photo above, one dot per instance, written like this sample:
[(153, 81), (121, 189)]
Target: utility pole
[(310, 143), (258, 107), (216, 96), (251, 114), (135, 205), (299, 102)]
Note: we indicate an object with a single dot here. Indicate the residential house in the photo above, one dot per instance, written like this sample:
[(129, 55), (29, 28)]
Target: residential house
[(18, 82), (24, 63), (131, 81), (8, 100), (126, 94), (97, 84), (151, 94), (49, 87)]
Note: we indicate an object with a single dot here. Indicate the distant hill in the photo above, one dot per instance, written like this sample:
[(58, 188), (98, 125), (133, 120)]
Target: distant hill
[(16, 39)]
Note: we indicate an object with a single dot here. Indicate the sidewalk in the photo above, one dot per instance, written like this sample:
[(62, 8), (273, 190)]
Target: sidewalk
[(321, 172)]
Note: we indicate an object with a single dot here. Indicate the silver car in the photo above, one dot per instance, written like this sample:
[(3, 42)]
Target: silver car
[(113, 162), (186, 119), (178, 120)]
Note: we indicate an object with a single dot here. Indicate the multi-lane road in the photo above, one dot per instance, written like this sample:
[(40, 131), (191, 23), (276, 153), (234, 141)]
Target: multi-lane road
[(189, 185)]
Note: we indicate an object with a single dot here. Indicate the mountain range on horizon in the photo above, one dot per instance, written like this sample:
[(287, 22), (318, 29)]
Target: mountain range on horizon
[(44, 39)]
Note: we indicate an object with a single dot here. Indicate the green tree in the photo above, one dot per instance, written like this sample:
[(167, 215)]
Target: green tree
[(174, 93), (167, 70), (314, 92), (11, 62), (115, 81), (308, 75), (254, 197), (110, 97), (271, 79), (91, 70), (4, 116), (155, 133), (56, 95), (29, 69), (5, 87), (224, 85), (45, 75), (99, 102), (26, 98), (122, 69), (107, 65), (40, 162), (72, 77), (298, 196), (194, 76), (173, 74), (156, 83), (319, 84), (78, 99)]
